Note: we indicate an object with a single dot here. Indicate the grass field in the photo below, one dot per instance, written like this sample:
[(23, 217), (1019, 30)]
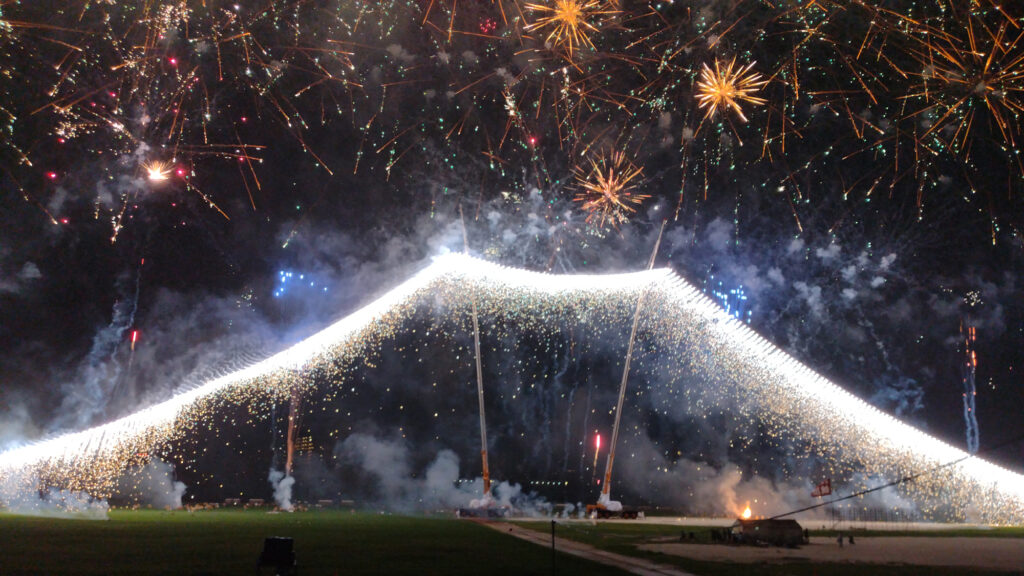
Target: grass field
[(624, 538), (229, 542)]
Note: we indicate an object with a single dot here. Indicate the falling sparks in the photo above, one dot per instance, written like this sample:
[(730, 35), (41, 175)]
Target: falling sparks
[(128, 76), (979, 69), (790, 401), (608, 188), (918, 89), (723, 89)]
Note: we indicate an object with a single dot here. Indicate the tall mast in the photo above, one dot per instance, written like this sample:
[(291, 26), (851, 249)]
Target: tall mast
[(294, 404), (479, 372), (605, 489)]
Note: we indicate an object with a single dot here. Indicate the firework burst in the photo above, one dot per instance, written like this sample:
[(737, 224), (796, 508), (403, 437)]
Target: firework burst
[(607, 188), (725, 87), (101, 80), (571, 22), (978, 70), (158, 171)]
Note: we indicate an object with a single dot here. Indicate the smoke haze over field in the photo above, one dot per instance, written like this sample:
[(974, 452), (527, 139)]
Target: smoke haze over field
[(554, 384)]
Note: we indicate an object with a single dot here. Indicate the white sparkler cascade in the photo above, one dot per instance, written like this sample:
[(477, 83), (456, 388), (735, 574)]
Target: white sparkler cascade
[(791, 398)]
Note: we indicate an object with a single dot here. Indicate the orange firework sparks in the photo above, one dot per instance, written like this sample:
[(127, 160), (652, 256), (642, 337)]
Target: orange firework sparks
[(607, 190), (980, 69), (724, 87), (571, 22)]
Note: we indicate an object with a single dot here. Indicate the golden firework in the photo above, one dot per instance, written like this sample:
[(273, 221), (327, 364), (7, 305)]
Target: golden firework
[(725, 87), (570, 21), (607, 188)]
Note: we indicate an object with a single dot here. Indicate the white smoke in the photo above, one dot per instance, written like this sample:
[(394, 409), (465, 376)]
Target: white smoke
[(152, 485), (399, 487), (18, 496), (888, 498), (282, 489), (706, 489), (387, 463)]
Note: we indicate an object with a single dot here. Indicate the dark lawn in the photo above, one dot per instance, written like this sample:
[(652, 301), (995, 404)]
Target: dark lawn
[(229, 542)]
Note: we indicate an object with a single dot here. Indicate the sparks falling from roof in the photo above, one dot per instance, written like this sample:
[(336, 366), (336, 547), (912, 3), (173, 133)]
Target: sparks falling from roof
[(732, 361)]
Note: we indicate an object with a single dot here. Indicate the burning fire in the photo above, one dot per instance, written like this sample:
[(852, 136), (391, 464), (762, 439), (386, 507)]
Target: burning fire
[(746, 512)]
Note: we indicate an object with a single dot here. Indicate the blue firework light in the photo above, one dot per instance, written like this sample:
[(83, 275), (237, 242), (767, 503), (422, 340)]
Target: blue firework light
[(298, 284), (733, 300)]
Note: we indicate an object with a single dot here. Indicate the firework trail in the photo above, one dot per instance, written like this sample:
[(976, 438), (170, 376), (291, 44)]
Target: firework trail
[(131, 356), (969, 368), (104, 375), (135, 308)]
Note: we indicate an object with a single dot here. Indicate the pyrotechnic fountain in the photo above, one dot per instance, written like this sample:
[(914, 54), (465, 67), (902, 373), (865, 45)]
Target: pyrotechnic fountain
[(790, 400)]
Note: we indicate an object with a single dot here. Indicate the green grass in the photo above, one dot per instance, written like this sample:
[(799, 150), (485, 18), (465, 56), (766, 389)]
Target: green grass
[(229, 542), (624, 538)]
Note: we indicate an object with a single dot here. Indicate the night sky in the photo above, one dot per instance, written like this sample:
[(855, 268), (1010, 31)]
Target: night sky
[(318, 152)]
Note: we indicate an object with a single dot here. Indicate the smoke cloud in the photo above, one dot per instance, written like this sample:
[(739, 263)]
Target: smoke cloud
[(282, 489), (395, 484), (22, 497), (153, 485)]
